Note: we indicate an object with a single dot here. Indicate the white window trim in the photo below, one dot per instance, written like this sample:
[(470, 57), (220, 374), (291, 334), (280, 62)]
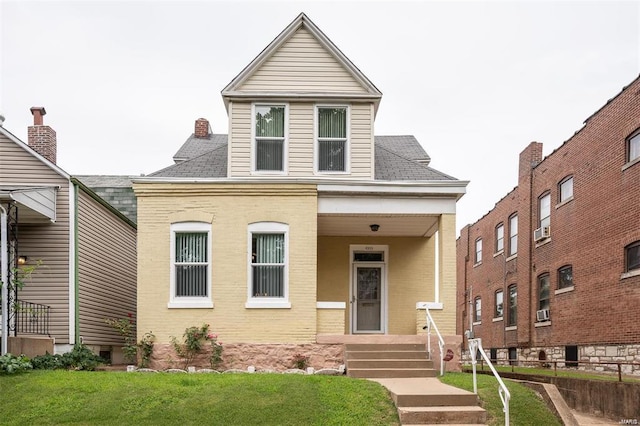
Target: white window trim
[(316, 144), (268, 302), (285, 145), (189, 302)]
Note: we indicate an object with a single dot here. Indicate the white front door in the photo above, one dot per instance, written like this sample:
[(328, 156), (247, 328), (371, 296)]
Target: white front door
[(368, 298)]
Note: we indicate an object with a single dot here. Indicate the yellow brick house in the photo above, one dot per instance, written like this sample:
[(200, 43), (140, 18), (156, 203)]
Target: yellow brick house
[(299, 230)]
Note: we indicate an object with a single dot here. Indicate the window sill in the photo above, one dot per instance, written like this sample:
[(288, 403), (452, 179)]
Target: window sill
[(630, 274), (477, 323), (498, 253), (498, 319), (562, 203), (477, 264), (542, 324), (511, 328), (631, 163), (513, 256), (564, 290), (197, 304), (263, 304)]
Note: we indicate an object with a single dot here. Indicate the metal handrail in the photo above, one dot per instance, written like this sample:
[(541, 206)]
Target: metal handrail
[(475, 347), (430, 321), (32, 318)]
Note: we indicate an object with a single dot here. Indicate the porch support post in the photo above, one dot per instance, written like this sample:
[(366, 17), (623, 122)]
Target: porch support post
[(4, 278)]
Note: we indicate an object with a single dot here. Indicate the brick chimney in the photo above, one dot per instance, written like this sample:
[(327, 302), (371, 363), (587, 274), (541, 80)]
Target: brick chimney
[(529, 158), (202, 128), (40, 137)]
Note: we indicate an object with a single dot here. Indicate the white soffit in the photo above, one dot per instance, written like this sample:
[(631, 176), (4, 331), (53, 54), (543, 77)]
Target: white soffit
[(383, 205), (36, 204)]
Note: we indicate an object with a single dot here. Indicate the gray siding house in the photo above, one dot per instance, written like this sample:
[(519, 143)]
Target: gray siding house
[(82, 251)]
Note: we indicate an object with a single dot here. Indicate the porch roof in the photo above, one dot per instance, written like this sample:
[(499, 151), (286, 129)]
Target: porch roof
[(37, 204)]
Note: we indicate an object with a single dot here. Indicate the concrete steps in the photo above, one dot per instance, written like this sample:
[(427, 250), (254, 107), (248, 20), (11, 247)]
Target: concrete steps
[(406, 370)]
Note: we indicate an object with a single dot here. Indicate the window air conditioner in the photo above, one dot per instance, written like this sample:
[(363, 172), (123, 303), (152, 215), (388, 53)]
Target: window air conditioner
[(542, 315), (542, 233)]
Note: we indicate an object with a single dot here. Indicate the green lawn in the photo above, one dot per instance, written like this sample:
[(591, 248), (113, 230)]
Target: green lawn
[(576, 374), (526, 407), (107, 398)]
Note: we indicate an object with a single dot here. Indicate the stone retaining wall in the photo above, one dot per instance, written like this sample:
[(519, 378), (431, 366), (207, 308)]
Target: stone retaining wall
[(262, 356)]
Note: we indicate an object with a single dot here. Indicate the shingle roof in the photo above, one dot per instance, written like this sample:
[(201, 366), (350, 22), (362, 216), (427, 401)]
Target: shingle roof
[(115, 190), (396, 158), (197, 146)]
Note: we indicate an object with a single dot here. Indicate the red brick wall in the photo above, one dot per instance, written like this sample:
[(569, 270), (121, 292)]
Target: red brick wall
[(43, 140), (588, 232)]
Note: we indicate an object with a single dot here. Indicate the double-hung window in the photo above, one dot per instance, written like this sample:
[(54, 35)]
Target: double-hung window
[(269, 137), (478, 258), (513, 235), (499, 238), (545, 210), (512, 317), (190, 281), (477, 312), (565, 277), (332, 138), (543, 291), (499, 304), (268, 264), (632, 257), (565, 189), (633, 147)]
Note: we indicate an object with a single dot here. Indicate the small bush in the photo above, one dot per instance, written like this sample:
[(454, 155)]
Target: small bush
[(146, 349), (10, 364), (80, 358), (48, 362)]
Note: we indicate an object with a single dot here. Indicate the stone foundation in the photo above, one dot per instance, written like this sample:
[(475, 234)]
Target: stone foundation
[(262, 356), (591, 353)]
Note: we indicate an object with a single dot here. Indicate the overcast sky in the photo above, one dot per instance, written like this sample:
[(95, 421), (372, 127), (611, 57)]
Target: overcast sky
[(474, 81)]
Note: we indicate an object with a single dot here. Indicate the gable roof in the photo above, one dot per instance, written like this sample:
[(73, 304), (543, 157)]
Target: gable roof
[(371, 92), (13, 138), (397, 158)]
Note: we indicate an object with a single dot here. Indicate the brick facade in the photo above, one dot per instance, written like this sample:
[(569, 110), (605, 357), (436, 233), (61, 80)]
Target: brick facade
[(588, 231)]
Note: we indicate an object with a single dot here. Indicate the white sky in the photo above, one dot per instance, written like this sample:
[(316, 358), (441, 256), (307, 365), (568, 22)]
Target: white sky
[(474, 81)]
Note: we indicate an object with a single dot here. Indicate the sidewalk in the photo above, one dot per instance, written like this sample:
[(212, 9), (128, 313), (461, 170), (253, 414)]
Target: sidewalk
[(588, 419)]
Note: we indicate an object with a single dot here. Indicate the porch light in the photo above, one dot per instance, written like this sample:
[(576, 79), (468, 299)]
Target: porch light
[(22, 260), (374, 227)]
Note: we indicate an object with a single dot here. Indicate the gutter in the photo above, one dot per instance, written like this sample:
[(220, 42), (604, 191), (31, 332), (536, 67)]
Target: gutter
[(102, 202)]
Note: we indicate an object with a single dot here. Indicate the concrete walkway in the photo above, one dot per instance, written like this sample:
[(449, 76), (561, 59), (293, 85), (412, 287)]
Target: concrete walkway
[(588, 420), (419, 386)]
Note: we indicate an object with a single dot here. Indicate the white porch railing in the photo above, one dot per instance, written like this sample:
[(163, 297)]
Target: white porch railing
[(475, 347), (431, 322)]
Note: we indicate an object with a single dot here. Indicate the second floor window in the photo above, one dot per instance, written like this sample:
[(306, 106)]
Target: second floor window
[(478, 251), (513, 235), (332, 139), (269, 137), (545, 210), (633, 147), (499, 238)]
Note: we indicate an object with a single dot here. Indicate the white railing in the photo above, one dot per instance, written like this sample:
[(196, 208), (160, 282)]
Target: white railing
[(475, 347), (431, 322)]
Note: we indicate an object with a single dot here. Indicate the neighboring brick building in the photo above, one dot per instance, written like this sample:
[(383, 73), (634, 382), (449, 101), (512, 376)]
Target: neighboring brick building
[(553, 270)]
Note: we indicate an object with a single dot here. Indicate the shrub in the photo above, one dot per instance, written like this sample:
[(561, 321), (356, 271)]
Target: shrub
[(82, 358), (146, 349), (300, 361), (124, 327), (48, 362), (10, 364), (194, 340)]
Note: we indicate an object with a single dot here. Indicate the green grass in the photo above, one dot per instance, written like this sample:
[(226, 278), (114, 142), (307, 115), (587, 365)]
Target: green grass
[(526, 407), (107, 398), (575, 374)]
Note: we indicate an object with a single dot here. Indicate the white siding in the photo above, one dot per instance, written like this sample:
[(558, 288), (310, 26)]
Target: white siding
[(302, 64)]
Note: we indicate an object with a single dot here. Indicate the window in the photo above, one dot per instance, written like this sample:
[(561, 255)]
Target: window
[(332, 139), (545, 210), (268, 263), (493, 355), (477, 312), (513, 235), (632, 257), (633, 146), (513, 356), (543, 291), (565, 277), (269, 131), (565, 189), (190, 280), (499, 304), (479, 250), (571, 354), (499, 238), (512, 317)]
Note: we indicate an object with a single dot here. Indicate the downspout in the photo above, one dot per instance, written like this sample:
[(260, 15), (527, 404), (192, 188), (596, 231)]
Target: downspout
[(4, 274), (437, 268), (530, 268)]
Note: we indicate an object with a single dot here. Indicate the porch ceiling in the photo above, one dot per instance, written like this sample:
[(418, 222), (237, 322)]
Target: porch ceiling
[(390, 225)]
